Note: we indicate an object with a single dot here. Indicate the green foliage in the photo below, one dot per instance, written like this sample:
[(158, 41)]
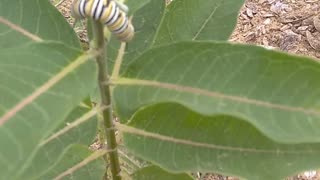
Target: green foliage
[(257, 85), (73, 155), (135, 5), (50, 159), (198, 20), (43, 79), (37, 17), (156, 173), (146, 21), (22, 73), (187, 102), (181, 140)]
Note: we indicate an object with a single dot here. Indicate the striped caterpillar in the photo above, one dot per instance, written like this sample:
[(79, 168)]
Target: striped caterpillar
[(108, 12)]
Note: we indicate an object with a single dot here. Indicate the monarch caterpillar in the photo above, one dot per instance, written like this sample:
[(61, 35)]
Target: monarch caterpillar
[(107, 12)]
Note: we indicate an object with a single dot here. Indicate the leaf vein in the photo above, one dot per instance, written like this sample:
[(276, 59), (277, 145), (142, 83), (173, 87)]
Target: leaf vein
[(194, 90), (139, 132), (20, 30), (206, 21), (45, 87)]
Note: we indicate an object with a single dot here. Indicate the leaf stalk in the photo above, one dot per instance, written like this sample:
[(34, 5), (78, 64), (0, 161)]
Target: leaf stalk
[(103, 76)]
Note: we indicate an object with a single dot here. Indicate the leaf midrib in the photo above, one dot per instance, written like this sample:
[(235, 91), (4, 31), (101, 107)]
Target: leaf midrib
[(194, 90), (141, 132)]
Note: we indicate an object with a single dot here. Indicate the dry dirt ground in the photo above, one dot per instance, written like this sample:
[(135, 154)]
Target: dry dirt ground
[(287, 25)]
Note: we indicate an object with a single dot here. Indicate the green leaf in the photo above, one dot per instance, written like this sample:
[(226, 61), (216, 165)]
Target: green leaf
[(41, 83), (75, 154), (135, 5), (39, 18), (146, 21), (129, 162), (181, 140), (156, 173), (276, 92), (50, 152), (198, 20)]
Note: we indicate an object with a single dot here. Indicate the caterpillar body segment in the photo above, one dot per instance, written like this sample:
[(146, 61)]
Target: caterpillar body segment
[(107, 12)]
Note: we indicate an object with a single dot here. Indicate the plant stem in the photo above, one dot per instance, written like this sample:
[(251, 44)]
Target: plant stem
[(103, 77)]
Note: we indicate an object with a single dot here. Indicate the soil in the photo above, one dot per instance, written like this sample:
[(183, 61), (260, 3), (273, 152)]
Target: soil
[(287, 25), (292, 26)]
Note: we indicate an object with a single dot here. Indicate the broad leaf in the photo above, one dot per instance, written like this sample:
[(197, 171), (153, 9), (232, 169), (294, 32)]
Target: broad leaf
[(135, 5), (37, 17), (277, 93), (180, 140), (50, 152), (146, 21), (41, 83), (156, 173), (75, 154), (129, 162), (198, 20)]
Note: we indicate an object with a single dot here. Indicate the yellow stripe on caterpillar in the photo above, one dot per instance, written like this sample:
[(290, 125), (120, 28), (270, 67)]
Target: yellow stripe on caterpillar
[(118, 23), (107, 12)]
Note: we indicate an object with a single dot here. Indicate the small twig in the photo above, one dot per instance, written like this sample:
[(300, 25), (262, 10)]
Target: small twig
[(298, 20)]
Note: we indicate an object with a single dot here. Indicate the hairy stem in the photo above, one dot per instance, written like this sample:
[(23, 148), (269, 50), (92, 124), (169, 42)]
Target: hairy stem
[(103, 77)]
